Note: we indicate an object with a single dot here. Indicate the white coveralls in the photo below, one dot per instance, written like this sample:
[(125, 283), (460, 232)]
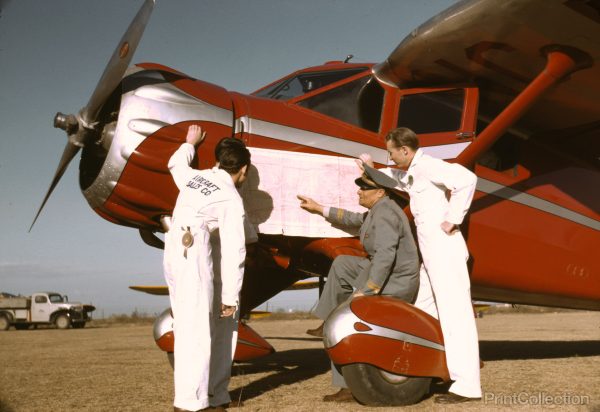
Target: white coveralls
[(207, 201), (445, 288)]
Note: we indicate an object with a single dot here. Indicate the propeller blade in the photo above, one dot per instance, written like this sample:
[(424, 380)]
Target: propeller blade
[(118, 63), (68, 155)]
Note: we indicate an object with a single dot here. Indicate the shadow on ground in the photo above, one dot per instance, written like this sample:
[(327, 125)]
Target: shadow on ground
[(5, 408), (296, 365), (513, 350), (291, 366)]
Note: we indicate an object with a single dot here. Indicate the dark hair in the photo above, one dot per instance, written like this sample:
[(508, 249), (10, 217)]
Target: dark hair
[(403, 136), (224, 142), (232, 154)]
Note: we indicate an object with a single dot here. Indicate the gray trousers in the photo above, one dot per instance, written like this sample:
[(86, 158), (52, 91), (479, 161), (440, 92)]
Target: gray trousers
[(346, 273)]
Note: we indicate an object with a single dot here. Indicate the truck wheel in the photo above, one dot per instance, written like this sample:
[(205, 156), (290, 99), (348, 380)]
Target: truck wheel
[(4, 323), (62, 322), (372, 386), (22, 326)]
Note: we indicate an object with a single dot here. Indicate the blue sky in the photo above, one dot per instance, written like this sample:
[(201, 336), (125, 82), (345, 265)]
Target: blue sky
[(52, 54)]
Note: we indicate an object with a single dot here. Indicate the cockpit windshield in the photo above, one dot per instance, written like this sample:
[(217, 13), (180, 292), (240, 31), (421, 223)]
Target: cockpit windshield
[(306, 82)]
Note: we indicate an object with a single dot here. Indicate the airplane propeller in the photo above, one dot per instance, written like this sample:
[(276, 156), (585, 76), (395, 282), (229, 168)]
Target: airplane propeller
[(84, 128)]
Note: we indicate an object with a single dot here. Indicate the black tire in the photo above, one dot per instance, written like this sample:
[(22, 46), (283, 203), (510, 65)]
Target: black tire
[(22, 326), (4, 323), (372, 386), (62, 322)]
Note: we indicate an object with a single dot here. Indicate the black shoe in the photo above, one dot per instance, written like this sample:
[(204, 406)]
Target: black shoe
[(317, 332), (343, 395), (232, 404), (450, 397)]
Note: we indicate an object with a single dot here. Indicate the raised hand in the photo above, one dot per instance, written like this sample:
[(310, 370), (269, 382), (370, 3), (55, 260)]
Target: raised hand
[(195, 135)]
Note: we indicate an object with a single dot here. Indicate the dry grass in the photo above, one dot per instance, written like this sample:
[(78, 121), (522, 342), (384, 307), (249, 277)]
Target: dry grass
[(135, 318), (119, 368), (527, 309)]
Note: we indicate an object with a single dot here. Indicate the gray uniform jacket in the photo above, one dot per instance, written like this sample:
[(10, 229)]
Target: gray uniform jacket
[(386, 236)]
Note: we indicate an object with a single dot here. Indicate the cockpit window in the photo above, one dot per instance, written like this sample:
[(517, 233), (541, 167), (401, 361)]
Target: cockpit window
[(358, 102), (432, 112), (305, 82)]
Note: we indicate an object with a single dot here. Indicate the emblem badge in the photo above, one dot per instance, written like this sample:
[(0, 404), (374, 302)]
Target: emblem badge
[(187, 240)]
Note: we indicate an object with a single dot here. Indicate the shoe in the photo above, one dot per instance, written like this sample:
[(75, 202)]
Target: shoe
[(343, 395), (231, 404), (317, 332), (450, 397)]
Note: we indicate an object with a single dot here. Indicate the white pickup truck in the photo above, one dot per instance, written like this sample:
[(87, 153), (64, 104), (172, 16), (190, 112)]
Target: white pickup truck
[(42, 308)]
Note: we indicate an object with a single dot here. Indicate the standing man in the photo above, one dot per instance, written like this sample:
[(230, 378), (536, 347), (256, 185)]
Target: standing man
[(392, 264), (440, 196), (225, 329), (208, 200)]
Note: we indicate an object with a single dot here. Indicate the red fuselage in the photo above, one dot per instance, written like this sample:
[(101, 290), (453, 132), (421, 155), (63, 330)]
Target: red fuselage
[(534, 226)]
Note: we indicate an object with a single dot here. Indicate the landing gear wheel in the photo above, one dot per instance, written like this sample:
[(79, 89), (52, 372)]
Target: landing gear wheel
[(62, 322), (4, 323), (373, 386)]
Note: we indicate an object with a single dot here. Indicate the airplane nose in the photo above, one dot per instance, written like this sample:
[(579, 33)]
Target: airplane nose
[(83, 127), (125, 178)]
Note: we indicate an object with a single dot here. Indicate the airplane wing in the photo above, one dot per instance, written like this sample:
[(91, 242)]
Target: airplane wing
[(164, 290), (501, 45), (152, 290), (304, 284)]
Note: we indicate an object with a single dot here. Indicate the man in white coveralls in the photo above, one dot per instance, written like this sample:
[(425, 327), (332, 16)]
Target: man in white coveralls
[(208, 200), (440, 196)]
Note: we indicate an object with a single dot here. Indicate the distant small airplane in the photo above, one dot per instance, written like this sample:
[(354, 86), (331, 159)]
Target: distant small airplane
[(509, 89)]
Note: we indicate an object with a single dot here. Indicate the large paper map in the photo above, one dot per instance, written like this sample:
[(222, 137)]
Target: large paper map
[(278, 176)]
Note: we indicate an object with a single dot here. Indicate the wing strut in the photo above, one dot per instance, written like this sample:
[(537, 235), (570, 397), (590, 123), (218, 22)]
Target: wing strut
[(560, 62)]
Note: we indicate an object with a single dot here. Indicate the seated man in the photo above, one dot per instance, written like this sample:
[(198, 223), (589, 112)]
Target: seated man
[(392, 265)]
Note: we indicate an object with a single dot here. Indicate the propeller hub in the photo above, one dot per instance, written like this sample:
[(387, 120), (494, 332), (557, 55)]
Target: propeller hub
[(66, 122)]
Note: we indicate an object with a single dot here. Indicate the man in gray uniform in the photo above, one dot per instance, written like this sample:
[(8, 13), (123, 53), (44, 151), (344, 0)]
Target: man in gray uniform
[(392, 265)]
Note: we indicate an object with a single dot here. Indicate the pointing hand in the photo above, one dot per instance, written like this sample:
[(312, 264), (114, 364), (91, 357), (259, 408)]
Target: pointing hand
[(309, 204)]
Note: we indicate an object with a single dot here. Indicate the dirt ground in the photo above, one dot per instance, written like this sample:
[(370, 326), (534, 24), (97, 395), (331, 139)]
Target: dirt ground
[(532, 361)]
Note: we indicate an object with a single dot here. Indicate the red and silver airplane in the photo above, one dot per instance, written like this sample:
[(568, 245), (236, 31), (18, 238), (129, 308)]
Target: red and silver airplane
[(509, 89)]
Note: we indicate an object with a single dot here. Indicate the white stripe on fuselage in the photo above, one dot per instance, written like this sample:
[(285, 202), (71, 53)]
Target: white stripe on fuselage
[(449, 151), (505, 192), (335, 144)]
